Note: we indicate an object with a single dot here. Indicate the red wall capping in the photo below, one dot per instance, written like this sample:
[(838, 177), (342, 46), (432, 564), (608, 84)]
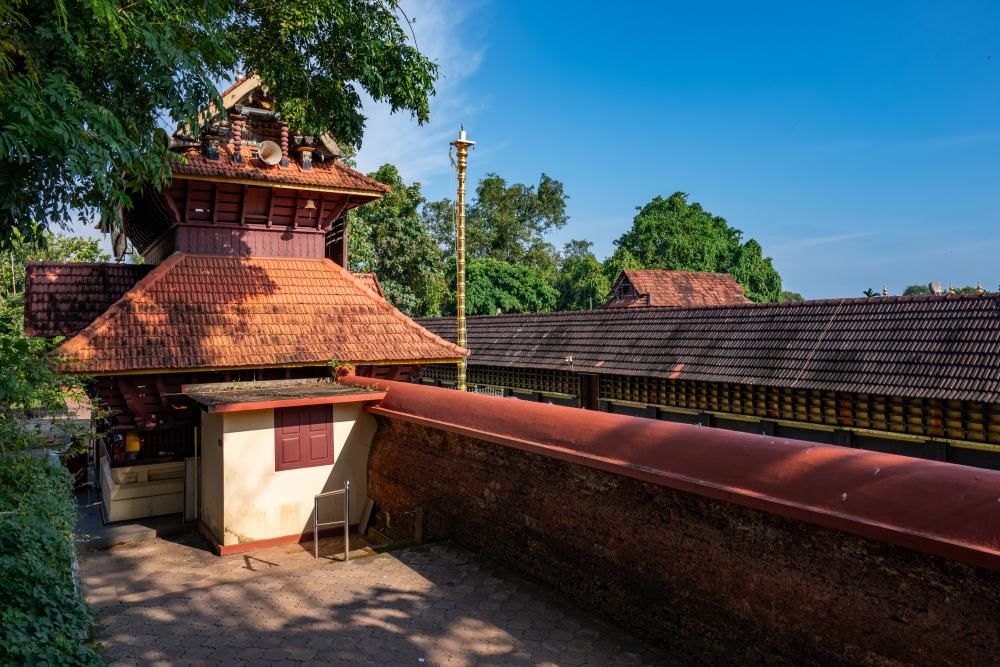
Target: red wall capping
[(943, 509)]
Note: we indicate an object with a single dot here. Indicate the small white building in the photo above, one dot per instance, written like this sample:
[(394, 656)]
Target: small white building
[(268, 448)]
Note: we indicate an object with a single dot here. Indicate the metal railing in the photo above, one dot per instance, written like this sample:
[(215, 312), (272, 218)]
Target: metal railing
[(346, 522)]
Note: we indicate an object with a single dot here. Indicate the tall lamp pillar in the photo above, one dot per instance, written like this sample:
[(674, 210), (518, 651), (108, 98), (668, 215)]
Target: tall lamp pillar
[(462, 148)]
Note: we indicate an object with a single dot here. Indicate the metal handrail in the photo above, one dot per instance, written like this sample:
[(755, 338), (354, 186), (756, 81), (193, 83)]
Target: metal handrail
[(346, 521)]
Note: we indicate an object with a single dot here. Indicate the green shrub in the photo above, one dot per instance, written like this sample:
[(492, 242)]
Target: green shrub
[(44, 619)]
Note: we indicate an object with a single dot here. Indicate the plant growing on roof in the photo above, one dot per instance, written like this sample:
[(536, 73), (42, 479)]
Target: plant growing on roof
[(341, 369), (84, 86)]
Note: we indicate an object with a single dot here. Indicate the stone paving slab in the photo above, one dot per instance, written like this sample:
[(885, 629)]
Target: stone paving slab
[(152, 569), (434, 605)]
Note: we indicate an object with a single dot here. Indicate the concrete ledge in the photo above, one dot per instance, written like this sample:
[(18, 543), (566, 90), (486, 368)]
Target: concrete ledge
[(112, 535), (943, 509)]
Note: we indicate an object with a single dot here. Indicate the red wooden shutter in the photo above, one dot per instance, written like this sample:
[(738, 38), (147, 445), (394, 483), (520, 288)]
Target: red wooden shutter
[(303, 437)]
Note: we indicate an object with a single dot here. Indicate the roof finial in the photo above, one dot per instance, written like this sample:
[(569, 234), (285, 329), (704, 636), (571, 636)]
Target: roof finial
[(885, 292), (239, 72), (463, 126), (951, 288), (979, 287)]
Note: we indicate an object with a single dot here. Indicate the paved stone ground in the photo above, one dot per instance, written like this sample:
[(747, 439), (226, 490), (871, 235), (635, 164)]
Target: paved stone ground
[(434, 605)]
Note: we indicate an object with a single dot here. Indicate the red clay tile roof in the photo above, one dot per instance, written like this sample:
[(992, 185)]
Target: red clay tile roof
[(331, 173), (63, 298), (676, 288), (370, 280), (944, 347), (195, 311)]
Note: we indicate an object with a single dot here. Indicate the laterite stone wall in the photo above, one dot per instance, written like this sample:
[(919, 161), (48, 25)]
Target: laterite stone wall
[(710, 583)]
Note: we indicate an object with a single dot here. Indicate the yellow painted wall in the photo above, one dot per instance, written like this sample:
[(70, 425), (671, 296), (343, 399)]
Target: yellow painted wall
[(259, 503)]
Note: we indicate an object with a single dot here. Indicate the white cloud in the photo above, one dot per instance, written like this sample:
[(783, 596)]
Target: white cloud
[(818, 240), (421, 152)]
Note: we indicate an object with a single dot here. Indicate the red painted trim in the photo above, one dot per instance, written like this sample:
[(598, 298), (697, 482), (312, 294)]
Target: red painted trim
[(213, 541), (225, 550), (296, 402), (943, 509)]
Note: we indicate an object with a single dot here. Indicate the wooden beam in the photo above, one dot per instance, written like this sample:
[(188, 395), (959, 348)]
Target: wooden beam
[(187, 200), (322, 209), (243, 208), (133, 401), (270, 208), (161, 386), (335, 212), (215, 204), (295, 211)]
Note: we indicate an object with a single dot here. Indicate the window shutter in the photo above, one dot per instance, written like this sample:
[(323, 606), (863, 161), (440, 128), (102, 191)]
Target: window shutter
[(303, 437)]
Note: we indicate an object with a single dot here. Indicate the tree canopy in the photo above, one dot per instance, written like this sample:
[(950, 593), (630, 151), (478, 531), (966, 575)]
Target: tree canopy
[(916, 290), (508, 222), (390, 238), (85, 85), (582, 283), (492, 284), (673, 235)]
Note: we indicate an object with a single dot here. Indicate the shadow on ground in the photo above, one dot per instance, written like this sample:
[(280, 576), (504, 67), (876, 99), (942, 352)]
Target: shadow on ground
[(434, 605)]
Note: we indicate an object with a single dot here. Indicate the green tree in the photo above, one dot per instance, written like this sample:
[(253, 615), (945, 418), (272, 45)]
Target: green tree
[(508, 222), (389, 238), (85, 85), (440, 219), (673, 235), (491, 284), (870, 293), (788, 297), (916, 290), (582, 283)]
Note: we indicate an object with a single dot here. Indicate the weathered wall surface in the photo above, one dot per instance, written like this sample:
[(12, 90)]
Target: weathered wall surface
[(711, 582), (247, 500)]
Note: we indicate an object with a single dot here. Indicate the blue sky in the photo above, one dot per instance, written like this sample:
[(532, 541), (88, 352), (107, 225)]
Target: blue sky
[(858, 143)]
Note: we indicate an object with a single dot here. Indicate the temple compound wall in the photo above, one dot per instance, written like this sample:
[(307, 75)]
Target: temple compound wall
[(717, 547)]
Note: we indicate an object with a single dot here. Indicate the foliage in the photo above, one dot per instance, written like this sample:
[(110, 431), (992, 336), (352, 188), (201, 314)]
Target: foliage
[(507, 223), (582, 284), (389, 238), (43, 615), (870, 293), (440, 219), (968, 289), (787, 297), (916, 290), (671, 234), (491, 284), (85, 85)]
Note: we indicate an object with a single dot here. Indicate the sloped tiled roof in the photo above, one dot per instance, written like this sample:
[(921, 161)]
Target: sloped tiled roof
[(678, 288), (370, 280), (63, 298), (331, 173), (944, 347), (196, 311)]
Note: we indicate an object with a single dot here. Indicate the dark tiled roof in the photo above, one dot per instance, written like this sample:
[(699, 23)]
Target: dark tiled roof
[(195, 311), (678, 288), (945, 347), (331, 173), (63, 298)]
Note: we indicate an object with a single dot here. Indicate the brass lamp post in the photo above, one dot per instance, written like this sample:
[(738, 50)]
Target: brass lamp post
[(462, 148)]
